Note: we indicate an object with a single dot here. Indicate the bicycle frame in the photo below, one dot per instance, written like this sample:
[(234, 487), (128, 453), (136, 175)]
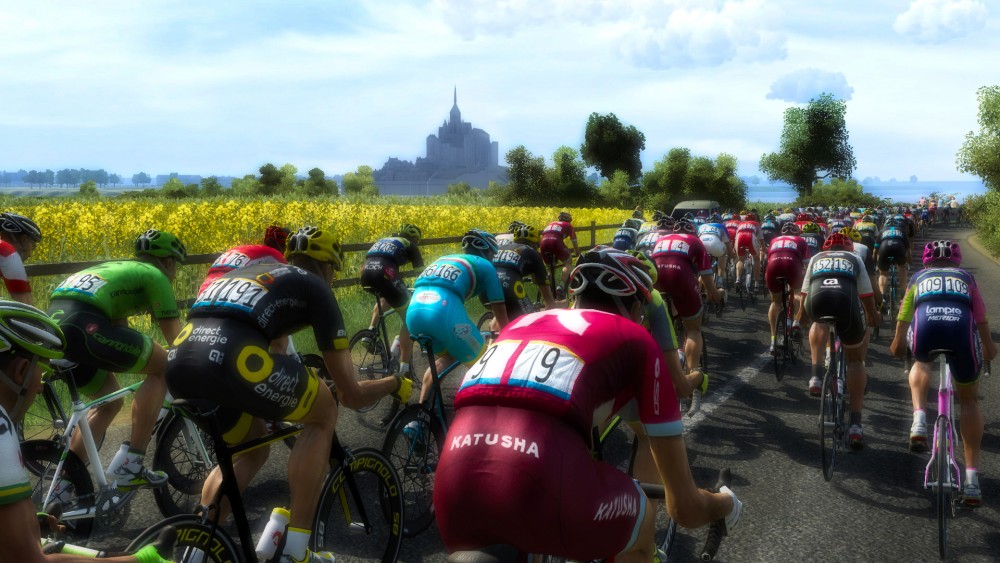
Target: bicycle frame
[(946, 400)]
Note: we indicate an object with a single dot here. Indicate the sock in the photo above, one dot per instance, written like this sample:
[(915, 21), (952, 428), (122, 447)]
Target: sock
[(855, 418), (817, 371), (133, 460), (919, 415), (404, 368), (774, 339), (972, 476), (296, 542)]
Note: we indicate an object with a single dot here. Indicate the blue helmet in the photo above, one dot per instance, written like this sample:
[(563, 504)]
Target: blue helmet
[(480, 243)]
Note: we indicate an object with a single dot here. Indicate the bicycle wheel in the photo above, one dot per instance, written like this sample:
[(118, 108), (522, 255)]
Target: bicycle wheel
[(781, 343), (413, 444), (829, 422), (196, 541), (359, 513), (942, 480), (742, 292), (186, 454), (45, 418), (371, 360), (40, 459), (484, 324)]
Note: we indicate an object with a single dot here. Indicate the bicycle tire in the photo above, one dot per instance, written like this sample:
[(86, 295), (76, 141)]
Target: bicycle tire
[(828, 424), (781, 343), (179, 454), (415, 465), (40, 459), (375, 508), (483, 324), (43, 420), (371, 361), (943, 495), (741, 291), (194, 538)]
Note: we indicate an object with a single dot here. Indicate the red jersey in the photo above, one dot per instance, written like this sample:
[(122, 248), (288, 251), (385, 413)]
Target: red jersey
[(680, 251), (240, 257), (547, 362), (559, 230), (748, 226), (731, 226), (12, 269), (791, 246)]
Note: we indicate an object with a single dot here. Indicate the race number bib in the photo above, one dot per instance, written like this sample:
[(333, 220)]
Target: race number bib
[(541, 366), (83, 282), (240, 293)]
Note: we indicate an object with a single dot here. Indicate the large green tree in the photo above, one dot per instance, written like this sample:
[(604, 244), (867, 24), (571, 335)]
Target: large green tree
[(568, 178), (360, 182), (980, 153), (814, 145), (679, 176), (141, 179), (609, 146), (526, 175), (270, 179)]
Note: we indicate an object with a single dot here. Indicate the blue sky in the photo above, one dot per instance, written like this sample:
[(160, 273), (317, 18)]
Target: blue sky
[(223, 87)]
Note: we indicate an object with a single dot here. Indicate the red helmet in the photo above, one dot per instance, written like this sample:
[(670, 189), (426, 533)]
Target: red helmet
[(837, 241), (276, 237), (751, 217)]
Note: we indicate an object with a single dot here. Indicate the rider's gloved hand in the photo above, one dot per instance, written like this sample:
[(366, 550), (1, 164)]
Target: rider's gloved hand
[(733, 517), (149, 554), (404, 388)]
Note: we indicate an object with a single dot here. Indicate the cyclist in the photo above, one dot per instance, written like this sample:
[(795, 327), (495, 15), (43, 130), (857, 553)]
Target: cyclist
[(221, 355), (769, 229), (732, 224), (524, 415), (813, 235), (625, 237), (504, 238), (835, 285), (748, 239), (28, 337), (786, 257), (380, 275), (272, 251), (553, 245), (18, 237), (944, 309), (92, 308), (715, 237), (647, 241), (650, 225), (866, 254), (513, 262), (892, 247), (437, 308), (680, 260)]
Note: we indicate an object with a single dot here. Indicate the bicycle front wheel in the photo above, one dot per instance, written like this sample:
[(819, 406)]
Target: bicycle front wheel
[(413, 444), (781, 343), (942, 481), (360, 512), (186, 454), (196, 541), (370, 358), (829, 423), (40, 459)]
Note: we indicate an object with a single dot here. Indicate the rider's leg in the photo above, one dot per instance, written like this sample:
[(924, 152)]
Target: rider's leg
[(99, 418), (375, 316), (903, 278), (693, 344), (772, 314), (883, 282), (245, 466), (442, 362), (148, 399)]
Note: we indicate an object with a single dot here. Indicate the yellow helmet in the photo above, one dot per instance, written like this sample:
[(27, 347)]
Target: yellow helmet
[(319, 244), (851, 233)]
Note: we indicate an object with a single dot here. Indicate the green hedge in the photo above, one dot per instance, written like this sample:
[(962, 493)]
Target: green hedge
[(984, 211)]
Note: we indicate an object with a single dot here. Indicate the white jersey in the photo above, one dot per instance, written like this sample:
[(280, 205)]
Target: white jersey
[(14, 483)]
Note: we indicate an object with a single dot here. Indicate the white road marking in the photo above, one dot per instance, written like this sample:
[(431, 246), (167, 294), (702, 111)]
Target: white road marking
[(716, 398)]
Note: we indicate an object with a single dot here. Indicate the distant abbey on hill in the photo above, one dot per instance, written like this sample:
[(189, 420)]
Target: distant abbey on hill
[(458, 153)]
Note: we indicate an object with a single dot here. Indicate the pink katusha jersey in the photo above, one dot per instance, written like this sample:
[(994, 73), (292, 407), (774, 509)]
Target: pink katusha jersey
[(558, 230), (241, 257), (577, 365), (789, 245), (682, 248)]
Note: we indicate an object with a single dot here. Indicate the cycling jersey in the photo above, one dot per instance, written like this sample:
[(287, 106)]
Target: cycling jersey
[(714, 236), (513, 262), (785, 258), (14, 482), (624, 238), (815, 241), (12, 269), (748, 237), (437, 308), (647, 227), (893, 247), (943, 307), (121, 289), (648, 240), (380, 271), (833, 284), (553, 242), (731, 226), (239, 257), (680, 258)]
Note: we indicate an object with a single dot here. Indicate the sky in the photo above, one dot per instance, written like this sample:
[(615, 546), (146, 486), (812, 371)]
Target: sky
[(225, 86)]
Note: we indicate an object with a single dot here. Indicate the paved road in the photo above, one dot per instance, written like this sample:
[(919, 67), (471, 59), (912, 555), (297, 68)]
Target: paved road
[(873, 510)]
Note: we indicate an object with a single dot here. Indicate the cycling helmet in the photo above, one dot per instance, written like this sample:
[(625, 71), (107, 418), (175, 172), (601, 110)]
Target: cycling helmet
[(943, 250), (612, 272), (637, 214), (851, 233), (276, 237), (715, 218), (410, 231), (657, 215), (685, 226), (565, 216), (319, 244), (866, 219), (810, 227), (727, 217), (895, 222), (480, 243), (29, 331), (513, 226), (688, 216), (666, 222), (751, 217), (526, 234), (791, 229), (160, 244), (20, 225), (647, 263), (837, 241), (632, 224)]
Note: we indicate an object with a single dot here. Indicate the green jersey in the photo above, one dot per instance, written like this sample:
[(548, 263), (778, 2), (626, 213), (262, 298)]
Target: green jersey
[(122, 289)]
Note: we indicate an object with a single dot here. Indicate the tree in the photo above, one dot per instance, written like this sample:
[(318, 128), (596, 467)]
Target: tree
[(141, 179), (618, 191), (527, 180), (174, 189), (317, 184), (568, 178), (980, 153), (114, 179), (360, 182), (89, 189), (288, 179), (609, 146), (270, 179), (459, 189), (247, 185), (814, 145), (67, 177), (664, 184), (913, 179), (210, 186)]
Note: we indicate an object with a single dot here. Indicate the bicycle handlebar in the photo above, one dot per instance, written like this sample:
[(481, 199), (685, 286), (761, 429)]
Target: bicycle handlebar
[(716, 530)]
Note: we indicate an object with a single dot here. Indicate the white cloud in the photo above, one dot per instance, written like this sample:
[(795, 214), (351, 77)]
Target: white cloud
[(937, 21), (803, 85)]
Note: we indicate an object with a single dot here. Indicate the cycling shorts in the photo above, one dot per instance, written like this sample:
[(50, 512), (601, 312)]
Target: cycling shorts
[(554, 247), (947, 326), (527, 479), (677, 280), (783, 265), (97, 344), (891, 251), (515, 296), (746, 241), (228, 363), (440, 314), (714, 245), (837, 297), (380, 276)]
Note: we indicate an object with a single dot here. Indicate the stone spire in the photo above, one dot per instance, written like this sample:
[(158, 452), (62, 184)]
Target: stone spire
[(456, 114)]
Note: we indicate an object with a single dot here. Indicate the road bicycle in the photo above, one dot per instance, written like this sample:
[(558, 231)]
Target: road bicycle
[(787, 346), (359, 511), (746, 287), (372, 354), (833, 401)]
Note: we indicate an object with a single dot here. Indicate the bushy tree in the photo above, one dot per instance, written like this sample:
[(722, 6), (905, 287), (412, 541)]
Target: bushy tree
[(89, 189), (459, 189), (837, 192), (174, 189), (270, 179), (247, 185), (360, 182), (527, 180), (210, 186), (618, 191), (141, 179), (567, 179), (317, 184), (980, 153), (610, 146)]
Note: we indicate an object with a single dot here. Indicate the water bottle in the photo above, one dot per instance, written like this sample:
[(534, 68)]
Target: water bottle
[(118, 460), (271, 538), (394, 349)]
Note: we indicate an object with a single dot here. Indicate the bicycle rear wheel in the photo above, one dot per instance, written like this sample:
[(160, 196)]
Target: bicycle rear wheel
[(181, 449), (370, 358), (40, 459), (196, 541), (46, 418), (830, 424), (782, 344), (413, 444), (942, 480)]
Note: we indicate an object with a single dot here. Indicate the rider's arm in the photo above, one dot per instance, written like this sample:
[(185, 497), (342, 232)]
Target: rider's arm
[(24, 297), (170, 328), (688, 505), (546, 291), (500, 312), (352, 393)]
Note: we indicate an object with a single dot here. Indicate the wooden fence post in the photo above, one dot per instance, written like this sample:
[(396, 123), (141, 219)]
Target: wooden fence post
[(593, 234)]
